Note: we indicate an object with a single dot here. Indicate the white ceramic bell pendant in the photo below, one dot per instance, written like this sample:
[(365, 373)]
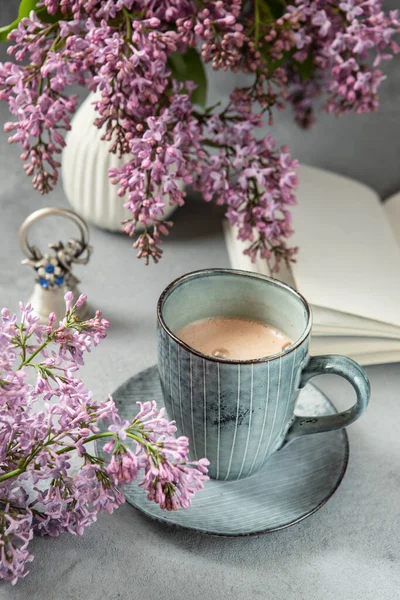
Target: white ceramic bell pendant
[(53, 270)]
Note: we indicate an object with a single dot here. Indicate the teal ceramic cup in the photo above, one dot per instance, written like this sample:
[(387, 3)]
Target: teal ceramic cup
[(238, 412)]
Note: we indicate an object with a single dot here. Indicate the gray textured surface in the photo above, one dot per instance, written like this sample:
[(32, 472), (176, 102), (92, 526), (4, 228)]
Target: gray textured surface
[(350, 549)]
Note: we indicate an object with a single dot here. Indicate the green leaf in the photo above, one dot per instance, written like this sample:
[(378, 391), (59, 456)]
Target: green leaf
[(262, 10), (5, 30), (265, 13), (262, 16), (47, 18), (273, 65), (25, 8), (189, 66), (277, 8), (306, 68)]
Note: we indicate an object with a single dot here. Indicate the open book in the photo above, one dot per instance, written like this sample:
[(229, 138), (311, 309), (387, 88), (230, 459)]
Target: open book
[(348, 266)]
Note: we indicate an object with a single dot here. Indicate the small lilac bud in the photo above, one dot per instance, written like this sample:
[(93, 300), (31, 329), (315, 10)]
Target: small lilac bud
[(81, 301), (69, 299)]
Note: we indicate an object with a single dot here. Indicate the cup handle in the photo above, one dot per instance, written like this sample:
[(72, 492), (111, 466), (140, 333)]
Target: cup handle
[(337, 365)]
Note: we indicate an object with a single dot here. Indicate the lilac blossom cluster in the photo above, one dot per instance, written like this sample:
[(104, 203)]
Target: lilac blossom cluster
[(40, 490), (347, 42), (125, 51)]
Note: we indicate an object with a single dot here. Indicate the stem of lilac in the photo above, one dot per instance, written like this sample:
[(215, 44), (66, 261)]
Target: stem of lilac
[(256, 21), (128, 23), (47, 341), (91, 438), (150, 448), (22, 339), (18, 472), (143, 442), (11, 474), (37, 351)]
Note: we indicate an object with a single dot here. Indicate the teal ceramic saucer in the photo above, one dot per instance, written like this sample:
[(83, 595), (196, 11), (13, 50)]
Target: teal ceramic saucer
[(295, 482)]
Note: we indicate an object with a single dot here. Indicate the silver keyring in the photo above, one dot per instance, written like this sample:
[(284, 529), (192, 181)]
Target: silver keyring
[(31, 251)]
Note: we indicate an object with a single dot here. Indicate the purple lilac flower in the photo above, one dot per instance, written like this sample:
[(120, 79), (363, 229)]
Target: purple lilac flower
[(122, 50), (167, 475), (16, 528), (36, 447), (119, 427)]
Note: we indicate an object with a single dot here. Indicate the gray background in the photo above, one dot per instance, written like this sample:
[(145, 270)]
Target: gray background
[(351, 547)]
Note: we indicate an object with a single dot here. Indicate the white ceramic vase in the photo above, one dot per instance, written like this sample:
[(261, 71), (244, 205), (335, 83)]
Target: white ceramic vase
[(85, 163)]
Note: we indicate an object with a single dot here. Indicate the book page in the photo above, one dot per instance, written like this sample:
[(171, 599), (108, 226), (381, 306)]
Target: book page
[(352, 345), (325, 318), (326, 321), (326, 331), (392, 209), (349, 260), (374, 358), (381, 358)]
